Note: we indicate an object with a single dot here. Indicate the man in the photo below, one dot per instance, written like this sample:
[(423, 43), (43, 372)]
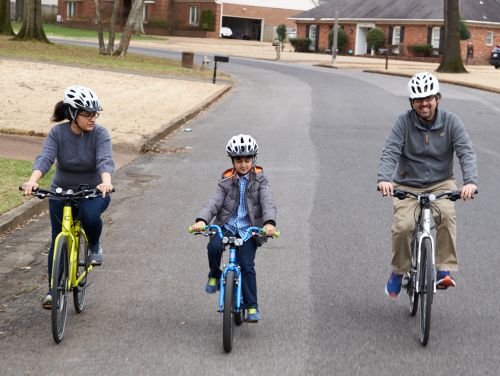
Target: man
[(418, 155)]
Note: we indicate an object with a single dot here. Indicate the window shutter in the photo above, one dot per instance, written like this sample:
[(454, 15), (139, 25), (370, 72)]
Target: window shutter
[(389, 37), (402, 35), (429, 35), (441, 40)]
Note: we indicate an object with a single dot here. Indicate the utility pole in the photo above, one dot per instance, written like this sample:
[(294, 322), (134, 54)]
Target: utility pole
[(335, 32)]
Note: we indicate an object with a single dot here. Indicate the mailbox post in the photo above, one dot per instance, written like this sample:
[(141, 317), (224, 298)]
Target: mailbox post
[(222, 59)]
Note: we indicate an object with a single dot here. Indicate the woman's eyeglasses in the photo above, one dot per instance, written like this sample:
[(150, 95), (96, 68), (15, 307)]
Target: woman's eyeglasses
[(89, 115)]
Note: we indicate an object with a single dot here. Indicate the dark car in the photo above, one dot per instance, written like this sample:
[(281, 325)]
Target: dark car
[(495, 57)]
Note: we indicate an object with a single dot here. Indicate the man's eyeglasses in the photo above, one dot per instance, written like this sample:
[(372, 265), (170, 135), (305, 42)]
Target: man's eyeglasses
[(89, 115), (426, 99)]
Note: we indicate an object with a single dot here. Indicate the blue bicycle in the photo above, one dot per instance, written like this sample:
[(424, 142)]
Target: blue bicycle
[(231, 297)]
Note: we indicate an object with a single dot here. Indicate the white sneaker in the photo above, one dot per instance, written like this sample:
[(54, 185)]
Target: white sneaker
[(47, 302)]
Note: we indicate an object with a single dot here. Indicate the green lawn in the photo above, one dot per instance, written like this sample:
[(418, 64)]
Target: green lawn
[(14, 173)]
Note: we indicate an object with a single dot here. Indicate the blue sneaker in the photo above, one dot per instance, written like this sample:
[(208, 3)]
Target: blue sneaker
[(393, 287), (253, 315), (444, 280), (212, 285)]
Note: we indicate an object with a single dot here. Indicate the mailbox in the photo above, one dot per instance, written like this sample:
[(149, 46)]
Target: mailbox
[(222, 59)]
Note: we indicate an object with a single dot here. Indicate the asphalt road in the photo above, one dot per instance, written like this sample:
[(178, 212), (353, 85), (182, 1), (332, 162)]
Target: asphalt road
[(321, 285)]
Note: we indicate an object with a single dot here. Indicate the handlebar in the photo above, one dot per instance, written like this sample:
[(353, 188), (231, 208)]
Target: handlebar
[(69, 193), (215, 229), (450, 195)]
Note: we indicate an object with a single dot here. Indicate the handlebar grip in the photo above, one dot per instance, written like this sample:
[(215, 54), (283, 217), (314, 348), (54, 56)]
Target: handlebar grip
[(276, 233), (191, 230), (21, 188)]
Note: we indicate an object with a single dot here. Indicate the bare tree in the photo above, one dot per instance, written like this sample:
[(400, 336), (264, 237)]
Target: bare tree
[(451, 61), (134, 17), (100, 35), (112, 24), (5, 25), (32, 27)]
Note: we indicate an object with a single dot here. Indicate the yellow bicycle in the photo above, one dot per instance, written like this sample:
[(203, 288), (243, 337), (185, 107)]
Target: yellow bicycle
[(71, 260)]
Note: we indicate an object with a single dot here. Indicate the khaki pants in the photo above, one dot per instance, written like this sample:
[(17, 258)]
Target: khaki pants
[(404, 225)]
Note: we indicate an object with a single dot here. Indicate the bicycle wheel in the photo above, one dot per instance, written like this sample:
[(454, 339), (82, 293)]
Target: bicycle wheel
[(227, 319), (59, 290), (426, 290), (83, 259), (411, 285)]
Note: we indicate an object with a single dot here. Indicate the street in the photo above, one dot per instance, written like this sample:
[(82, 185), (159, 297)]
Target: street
[(321, 285)]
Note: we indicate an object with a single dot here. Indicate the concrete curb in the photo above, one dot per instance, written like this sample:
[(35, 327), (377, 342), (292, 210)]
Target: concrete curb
[(24, 212)]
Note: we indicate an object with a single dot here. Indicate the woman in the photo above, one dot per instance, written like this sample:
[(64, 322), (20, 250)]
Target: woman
[(83, 152)]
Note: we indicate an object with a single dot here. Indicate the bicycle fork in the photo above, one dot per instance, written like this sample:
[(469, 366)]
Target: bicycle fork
[(237, 274), (425, 233)]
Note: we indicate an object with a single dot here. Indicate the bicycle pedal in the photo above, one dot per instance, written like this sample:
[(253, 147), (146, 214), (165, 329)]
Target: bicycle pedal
[(441, 287)]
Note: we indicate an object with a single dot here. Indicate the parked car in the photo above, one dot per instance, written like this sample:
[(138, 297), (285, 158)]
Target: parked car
[(226, 32), (495, 57)]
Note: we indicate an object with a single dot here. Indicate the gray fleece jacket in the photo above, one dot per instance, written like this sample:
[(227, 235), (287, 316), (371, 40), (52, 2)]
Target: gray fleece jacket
[(259, 199), (419, 157)]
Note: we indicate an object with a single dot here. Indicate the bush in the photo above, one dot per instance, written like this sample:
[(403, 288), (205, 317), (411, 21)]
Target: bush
[(375, 38), (464, 30), (341, 39), (281, 31), (157, 22), (421, 49), (300, 44), (207, 20)]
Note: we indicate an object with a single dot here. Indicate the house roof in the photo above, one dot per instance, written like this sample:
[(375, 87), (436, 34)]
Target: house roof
[(471, 10)]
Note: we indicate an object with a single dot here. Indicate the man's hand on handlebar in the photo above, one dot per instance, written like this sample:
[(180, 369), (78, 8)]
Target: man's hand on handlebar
[(386, 188), (467, 191)]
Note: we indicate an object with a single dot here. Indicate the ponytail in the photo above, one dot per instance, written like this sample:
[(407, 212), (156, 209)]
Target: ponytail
[(61, 112)]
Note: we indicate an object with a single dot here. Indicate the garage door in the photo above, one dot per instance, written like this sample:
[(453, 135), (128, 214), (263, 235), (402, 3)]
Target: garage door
[(243, 28)]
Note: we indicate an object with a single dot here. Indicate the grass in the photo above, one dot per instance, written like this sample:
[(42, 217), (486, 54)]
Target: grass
[(14, 173)]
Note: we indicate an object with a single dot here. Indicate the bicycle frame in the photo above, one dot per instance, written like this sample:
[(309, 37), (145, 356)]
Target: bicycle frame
[(70, 229), (237, 272), (423, 230)]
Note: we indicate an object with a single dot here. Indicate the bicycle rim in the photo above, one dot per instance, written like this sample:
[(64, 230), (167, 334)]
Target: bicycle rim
[(59, 290), (83, 259), (427, 291), (227, 319)]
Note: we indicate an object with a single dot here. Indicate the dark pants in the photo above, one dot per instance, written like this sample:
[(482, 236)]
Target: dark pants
[(245, 257), (90, 217)]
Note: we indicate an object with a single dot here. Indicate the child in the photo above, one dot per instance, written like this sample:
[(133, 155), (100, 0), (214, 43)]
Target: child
[(243, 199)]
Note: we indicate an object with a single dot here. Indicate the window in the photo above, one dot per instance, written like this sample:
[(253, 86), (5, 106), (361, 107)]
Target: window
[(436, 32), (193, 15), (489, 38), (396, 35), (70, 9)]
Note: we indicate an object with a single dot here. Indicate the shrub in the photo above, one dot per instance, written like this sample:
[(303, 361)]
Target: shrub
[(341, 39), (464, 30), (375, 38), (157, 22), (207, 20), (281, 31), (421, 49), (301, 44)]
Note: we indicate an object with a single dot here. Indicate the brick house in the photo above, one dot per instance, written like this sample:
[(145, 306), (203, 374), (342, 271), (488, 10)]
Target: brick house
[(248, 19), (404, 24)]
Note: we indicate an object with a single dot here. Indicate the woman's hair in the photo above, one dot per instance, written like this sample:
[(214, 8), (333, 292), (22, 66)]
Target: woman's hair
[(61, 112)]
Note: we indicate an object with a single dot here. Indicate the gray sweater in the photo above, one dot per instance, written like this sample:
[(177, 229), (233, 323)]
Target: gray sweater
[(419, 157), (81, 159)]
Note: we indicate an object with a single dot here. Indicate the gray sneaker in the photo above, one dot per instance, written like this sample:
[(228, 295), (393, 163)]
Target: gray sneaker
[(47, 302), (96, 257)]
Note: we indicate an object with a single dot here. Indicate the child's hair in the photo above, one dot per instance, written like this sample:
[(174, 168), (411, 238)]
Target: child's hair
[(61, 112)]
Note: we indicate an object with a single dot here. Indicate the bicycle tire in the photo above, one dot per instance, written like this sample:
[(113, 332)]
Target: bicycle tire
[(227, 319), (59, 291), (411, 286), (83, 260), (426, 290)]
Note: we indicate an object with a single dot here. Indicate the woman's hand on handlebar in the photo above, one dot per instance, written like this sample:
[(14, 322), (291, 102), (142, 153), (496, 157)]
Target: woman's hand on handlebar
[(29, 187), (105, 188), (467, 191), (198, 226), (386, 188)]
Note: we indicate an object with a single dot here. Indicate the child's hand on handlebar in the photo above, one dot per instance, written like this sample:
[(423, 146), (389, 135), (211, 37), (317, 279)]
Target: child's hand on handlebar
[(198, 226), (270, 230)]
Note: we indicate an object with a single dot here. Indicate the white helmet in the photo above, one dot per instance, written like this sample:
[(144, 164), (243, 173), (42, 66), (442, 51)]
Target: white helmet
[(82, 98), (423, 85), (242, 145)]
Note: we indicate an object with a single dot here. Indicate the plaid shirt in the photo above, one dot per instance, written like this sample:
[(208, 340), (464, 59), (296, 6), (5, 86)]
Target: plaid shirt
[(239, 220)]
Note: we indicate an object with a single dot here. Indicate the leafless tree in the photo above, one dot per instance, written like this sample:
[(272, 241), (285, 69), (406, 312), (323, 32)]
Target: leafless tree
[(112, 24), (451, 61), (5, 25), (134, 17), (32, 27)]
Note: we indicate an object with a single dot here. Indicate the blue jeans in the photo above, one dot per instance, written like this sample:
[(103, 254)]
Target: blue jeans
[(245, 257), (90, 217)]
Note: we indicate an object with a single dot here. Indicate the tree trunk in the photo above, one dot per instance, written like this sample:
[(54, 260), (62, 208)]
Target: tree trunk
[(139, 24), (451, 61), (32, 27), (100, 37), (134, 16), (112, 24), (5, 25)]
